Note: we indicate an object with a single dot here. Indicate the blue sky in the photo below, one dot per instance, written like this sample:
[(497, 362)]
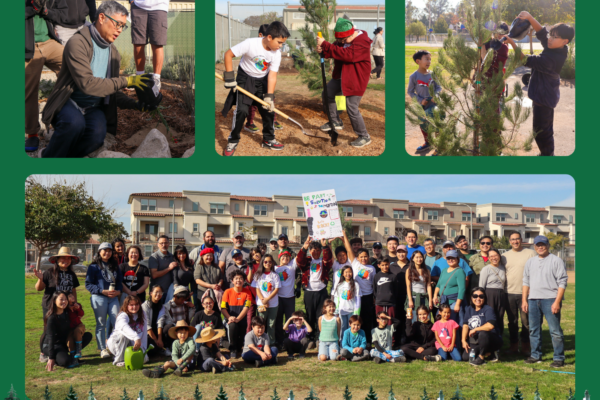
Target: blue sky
[(528, 190)]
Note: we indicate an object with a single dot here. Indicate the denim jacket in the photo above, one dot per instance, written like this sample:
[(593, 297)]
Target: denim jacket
[(98, 279)]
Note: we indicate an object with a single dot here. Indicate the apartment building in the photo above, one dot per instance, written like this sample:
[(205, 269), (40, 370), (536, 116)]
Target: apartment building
[(363, 17)]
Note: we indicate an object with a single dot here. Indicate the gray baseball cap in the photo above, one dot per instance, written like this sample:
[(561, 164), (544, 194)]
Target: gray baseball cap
[(450, 243), (107, 245), (238, 234), (452, 254)]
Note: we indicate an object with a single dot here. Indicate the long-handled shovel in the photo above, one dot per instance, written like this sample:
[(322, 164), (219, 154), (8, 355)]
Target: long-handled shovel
[(332, 132), (253, 97)]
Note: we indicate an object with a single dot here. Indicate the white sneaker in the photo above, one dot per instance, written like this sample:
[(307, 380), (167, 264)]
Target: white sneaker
[(105, 353)]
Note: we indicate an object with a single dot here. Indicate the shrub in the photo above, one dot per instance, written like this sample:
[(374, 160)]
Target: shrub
[(127, 63), (46, 86), (568, 69)]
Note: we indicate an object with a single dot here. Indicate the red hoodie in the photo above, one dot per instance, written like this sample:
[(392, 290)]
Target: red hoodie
[(353, 63), (75, 316)]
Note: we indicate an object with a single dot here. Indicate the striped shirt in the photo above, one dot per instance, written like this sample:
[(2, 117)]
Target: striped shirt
[(235, 302), (329, 330)]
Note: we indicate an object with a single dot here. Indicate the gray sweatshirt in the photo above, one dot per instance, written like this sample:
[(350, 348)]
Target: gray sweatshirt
[(493, 277), (544, 276), (418, 86)]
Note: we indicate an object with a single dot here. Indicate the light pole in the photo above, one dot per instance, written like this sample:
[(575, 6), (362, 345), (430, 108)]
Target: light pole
[(471, 219)]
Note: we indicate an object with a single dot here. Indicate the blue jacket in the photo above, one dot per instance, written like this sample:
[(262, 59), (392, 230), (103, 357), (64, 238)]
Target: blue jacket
[(97, 280), (544, 84), (350, 341)]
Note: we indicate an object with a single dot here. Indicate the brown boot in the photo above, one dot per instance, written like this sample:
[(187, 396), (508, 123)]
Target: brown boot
[(525, 349), (514, 348)]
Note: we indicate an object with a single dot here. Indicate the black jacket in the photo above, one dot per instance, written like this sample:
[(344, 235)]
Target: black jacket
[(56, 334), (77, 11), (420, 333), (57, 11)]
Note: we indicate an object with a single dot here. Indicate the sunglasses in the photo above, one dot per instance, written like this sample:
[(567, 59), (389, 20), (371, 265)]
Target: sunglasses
[(486, 243), (478, 296)]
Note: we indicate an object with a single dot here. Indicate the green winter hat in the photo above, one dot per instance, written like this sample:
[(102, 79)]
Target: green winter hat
[(343, 28)]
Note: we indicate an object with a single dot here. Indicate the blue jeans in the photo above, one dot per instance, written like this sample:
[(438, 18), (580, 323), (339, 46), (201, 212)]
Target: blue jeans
[(103, 307), (345, 323), (455, 354), (76, 135), (538, 309), (330, 349), (251, 356), (170, 293)]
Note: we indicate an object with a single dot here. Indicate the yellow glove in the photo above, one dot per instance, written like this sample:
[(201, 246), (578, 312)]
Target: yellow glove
[(140, 81)]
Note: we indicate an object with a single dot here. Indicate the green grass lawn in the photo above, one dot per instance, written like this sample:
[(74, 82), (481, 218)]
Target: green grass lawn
[(328, 378)]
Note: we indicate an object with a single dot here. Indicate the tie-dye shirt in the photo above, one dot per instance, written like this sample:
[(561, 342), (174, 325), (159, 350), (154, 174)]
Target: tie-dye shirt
[(364, 275), (267, 283), (345, 302), (287, 277)]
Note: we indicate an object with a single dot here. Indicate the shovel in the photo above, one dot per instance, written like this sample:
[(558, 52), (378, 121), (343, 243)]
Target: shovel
[(253, 97), (332, 132)]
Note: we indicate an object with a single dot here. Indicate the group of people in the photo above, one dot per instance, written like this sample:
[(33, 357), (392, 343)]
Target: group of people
[(257, 74), (413, 303), (544, 84), (82, 107)]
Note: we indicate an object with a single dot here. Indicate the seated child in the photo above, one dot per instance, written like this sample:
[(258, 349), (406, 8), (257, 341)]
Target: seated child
[(257, 348), (445, 335), (354, 343), (211, 358), (296, 342), (235, 304), (129, 330), (544, 84), (418, 87), (182, 352), (207, 318), (351, 73), (420, 339), (76, 328), (382, 340), (330, 326)]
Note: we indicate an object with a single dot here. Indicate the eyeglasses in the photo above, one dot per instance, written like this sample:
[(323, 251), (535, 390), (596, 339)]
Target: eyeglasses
[(163, 243), (478, 296), (118, 25), (486, 243)]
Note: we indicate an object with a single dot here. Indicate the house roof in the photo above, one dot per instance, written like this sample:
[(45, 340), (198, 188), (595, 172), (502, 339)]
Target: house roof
[(284, 219), (425, 205), (179, 195), (507, 224), (259, 199), (344, 7), (242, 216), (153, 214), (300, 219), (359, 219), (356, 202), (533, 209)]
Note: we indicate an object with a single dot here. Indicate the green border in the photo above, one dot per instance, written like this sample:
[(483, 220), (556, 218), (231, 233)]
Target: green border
[(580, 166)]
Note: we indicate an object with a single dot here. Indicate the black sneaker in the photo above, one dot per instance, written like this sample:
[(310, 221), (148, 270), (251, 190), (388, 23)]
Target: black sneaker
[(361, 142), (251, 128), (311, 345), (477, 361), (400, 359), (277, 126), (230, 149), (327, 127), (259, 363), (557, 364), (532, 360), (436, 358), (272, 144), (32, 143), (153, 373), (377, 360)]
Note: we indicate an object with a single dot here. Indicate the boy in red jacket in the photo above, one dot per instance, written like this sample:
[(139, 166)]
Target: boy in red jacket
[(77, 329), (351, 72)]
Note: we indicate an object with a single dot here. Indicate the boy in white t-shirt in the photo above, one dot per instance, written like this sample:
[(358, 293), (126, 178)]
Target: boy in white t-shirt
[(287, 299), (257, 74)]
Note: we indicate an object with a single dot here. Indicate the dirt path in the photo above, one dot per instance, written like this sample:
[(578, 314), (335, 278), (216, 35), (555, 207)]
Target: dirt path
[(564, 122), (293, 98)]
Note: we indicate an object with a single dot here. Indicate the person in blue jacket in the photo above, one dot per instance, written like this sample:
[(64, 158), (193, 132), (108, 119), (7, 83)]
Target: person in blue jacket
[(354, 342), (104, 281)]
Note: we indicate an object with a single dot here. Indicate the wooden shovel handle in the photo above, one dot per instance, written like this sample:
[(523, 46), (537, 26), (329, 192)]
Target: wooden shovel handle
[(253, 97)]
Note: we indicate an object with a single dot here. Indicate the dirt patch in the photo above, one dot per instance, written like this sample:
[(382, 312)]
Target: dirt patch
[(294, 99), (571, 275)]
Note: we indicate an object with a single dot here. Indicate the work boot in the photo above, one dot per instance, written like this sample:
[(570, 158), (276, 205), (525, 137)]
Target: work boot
[(153, 373), (77, 350), (525, 348)]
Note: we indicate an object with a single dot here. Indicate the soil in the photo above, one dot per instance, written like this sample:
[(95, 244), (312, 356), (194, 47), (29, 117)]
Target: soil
[(564, 122), (294, 99)]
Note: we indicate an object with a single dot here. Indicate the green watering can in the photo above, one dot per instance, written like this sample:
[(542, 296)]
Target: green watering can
[(135, 359)]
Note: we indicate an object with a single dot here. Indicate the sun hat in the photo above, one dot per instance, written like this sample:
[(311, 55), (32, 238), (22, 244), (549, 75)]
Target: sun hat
[(208, 334), (181, 324), (63, 252)]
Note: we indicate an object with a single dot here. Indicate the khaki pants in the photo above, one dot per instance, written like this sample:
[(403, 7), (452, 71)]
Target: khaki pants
[(48, 53)]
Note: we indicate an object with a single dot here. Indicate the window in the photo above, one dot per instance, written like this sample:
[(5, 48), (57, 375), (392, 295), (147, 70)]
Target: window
[(488, 216), (420, 230), (211, 228), (451, 214), (557, 219), (260, 210), (432, 215), (381, 213), (151, 229), (300, 211), (171, 203), (413, 213), (365, 211), (500, 217), (196, 227), (195, 206), (527, 235), (570, 219), (171, 227), (367, 231), (466, 217), (386, 231), (148, 205), (299, 15), (398, 214), (453, 233), (237, 207), (516, 216), (348, 211), (286, 209), (284, 230), (217, 208), (147, 250), (240, 226), (494, 233), (529, 217)]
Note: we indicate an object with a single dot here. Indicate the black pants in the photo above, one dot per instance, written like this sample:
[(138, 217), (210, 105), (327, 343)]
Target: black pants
[(543, 126), (513, 309), (488, 342), (410, 351), (313, 303), (242, 109), (62, 355), (237, 333), (367, 314), (295, 347), (166, 339), (287, 306), (378, 65), (497, 299)]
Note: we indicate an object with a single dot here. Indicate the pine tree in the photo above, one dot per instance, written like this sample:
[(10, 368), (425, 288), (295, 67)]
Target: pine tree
[(275, 395), (197, 393), (12, 394), (493, 395), (391, 395), (319, 14), (586, 395), (458, 395), (311, 395), (425, 396), (467, 121), (441, 396), (91, 395), (517, 395), (371, 395), (125, 396), (347, 394), (222, 395), (291, 396), (571, 395), (162, 395), (536, 394), (71, 395), (140, 395), (47, 395)]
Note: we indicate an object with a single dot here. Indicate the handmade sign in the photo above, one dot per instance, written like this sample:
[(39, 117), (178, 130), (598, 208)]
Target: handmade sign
[(322, 214)]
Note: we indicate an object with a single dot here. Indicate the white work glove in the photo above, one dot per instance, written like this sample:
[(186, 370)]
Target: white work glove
[(270, 100)]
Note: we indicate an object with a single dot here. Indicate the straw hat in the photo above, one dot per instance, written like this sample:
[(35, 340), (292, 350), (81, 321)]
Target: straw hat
[(181, 324), (63, 252), (209, 334)]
